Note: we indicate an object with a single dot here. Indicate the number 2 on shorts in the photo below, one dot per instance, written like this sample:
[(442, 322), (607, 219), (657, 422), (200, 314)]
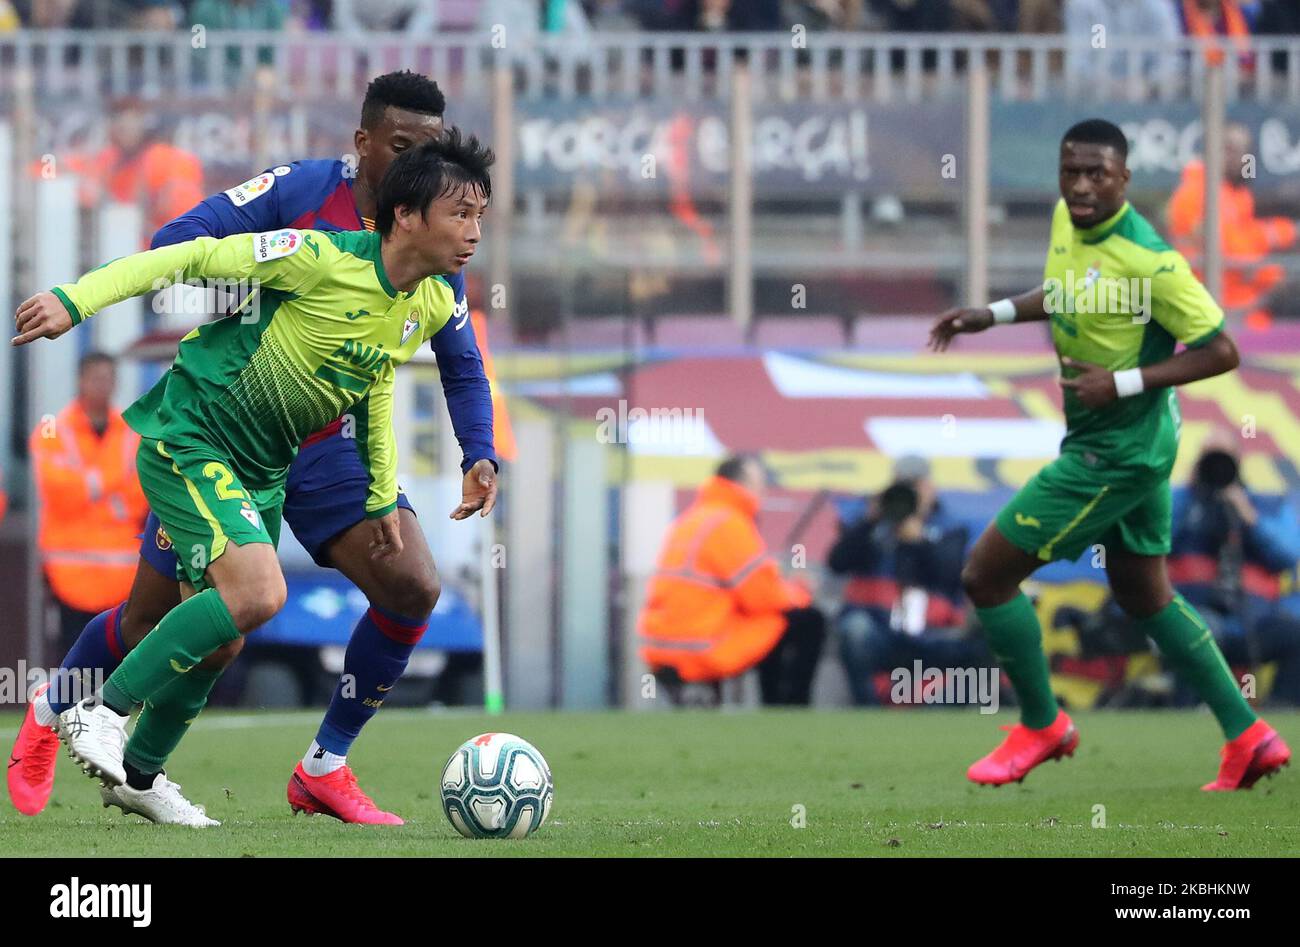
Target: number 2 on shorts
[(224, 479)]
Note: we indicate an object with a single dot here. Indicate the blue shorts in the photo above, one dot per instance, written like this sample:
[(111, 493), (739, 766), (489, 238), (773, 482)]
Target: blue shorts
[(325, 496)]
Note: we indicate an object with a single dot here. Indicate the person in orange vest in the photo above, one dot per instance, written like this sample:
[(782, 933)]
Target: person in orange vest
[(138, 167), (717, 603), (1246, 239), (1230, 19), (91, 506)]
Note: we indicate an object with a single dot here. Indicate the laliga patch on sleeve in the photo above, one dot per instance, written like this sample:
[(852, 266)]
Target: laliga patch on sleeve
[(250, 190), (274, 244)]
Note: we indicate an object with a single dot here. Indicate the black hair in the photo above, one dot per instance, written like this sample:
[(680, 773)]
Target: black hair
[(1098, 131), (733, 468), (422, 174), (92, 358), (401, 90)]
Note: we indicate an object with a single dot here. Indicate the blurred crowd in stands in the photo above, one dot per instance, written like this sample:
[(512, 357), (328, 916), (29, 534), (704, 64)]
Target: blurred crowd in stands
[(1156, 19), (719, 605), (1233, 556)]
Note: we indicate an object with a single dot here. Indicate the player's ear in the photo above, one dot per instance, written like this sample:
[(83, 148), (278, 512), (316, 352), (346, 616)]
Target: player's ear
[(360, 140)]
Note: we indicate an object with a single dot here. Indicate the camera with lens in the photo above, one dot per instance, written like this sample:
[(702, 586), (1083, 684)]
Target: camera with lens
[(898, 501), (1215, 471), (895, 504)]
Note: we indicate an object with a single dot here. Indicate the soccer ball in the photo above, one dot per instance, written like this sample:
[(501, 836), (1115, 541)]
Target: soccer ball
[(496, 786)]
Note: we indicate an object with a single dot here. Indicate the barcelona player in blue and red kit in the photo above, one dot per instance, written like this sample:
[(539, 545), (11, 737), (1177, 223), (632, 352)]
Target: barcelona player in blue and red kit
[(324, 502)]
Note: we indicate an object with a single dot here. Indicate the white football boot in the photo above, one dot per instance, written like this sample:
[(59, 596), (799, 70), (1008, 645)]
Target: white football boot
[(161, 803), (96, 739)]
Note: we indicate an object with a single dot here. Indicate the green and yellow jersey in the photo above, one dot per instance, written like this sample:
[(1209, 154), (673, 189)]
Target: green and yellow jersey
[(1120, 297), (319, 338)]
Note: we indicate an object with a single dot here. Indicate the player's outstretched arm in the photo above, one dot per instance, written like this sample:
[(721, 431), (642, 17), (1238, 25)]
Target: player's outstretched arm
[(1097, 386), (123, 278), (254, 257), (1027, 307)]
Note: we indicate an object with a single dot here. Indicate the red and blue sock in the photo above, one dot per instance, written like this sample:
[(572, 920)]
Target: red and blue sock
[(377, 655), (99, 647)]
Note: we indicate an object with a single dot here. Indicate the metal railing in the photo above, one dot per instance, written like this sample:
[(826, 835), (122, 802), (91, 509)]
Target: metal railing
[(815, 67), (958, 81)]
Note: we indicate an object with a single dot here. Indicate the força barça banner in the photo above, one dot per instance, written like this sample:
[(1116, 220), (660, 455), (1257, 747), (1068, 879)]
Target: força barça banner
[(799, 150)]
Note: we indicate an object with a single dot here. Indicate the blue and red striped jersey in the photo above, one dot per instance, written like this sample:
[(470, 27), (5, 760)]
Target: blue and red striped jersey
[(316, 194)]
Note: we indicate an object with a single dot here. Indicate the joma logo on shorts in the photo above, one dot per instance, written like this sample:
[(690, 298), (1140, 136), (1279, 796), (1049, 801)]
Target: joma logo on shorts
[(1023, 520)]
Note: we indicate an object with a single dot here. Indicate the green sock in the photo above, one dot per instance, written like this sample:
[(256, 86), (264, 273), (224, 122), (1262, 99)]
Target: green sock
[(1016, 639), (1189, 647), (189, 633), (166, 717)]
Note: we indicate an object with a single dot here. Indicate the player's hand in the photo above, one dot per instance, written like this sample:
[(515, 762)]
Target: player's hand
[(478, 491), (956, 321), (42, 316), (1094, 385), (385, 536)]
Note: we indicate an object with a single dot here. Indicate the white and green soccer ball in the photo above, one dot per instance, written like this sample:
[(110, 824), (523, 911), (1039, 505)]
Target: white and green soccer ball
[(496, 786)]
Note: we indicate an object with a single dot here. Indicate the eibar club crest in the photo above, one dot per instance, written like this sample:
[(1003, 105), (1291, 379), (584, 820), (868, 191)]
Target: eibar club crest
[(1094, 273), (410, 325)]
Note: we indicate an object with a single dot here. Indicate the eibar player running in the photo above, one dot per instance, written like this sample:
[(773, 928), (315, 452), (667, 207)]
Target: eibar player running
[(324, 506), (1110, 484), (338, 312)]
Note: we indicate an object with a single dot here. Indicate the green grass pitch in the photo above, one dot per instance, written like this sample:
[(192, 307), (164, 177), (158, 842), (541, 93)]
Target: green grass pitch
[(877, 783)]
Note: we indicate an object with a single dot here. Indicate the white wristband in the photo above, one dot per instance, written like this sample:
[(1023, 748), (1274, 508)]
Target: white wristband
[(1004, 311), (1128, 382)]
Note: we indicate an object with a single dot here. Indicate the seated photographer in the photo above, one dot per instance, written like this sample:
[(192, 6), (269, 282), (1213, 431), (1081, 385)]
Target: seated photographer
[(903, 600), (718, 605), (1226, 560)]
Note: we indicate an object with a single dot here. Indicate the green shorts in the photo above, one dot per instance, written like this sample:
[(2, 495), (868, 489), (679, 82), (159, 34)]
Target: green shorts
[(1071, 505), (203, 506)]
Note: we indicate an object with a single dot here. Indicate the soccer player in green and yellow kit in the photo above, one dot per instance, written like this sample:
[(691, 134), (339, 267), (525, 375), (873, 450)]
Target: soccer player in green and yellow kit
[(1119, 300), (334, 313)]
